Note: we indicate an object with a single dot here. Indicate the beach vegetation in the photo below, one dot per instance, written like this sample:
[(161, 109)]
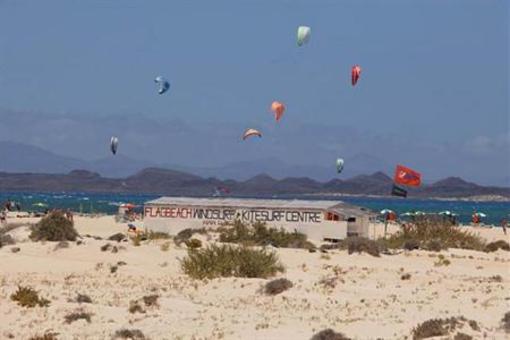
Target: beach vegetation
[(75, 316), (442, 261), (106, 247), (329, 334), (406, 276), (506, 322), (433, 235), (193, 243), (185, 234), (494, 246), (462, 336), (227, 261), (441, 327), (157, 235), (54, 227), (165, 246), (6, 240), (362, 245), (259, 234), (135, 307), (117, 237), (46, 336), (150, 300), (83, 298), (28, 297), (133, 334), (277, 286)]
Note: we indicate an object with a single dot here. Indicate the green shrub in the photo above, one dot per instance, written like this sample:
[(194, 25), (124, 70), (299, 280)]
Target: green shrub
[(329, 334), (28, 297), (193, 243), (434, 235), (362, 244), (226, 261), (277, 286), (72, 317), (54, 227), (494, 246), (259, 234), (411, 244)]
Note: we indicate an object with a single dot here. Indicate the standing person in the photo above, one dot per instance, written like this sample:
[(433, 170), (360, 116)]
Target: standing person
[(504, 223)]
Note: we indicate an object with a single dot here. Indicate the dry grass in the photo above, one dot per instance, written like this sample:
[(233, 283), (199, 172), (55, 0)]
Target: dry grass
[(54, 227), (193, 243), (442, 327), (259, 234), (277, 286), (117, 237), (226, 261), (28, 297), (329, 334), (494, 246), (83, 298), (506, 322), (133, 334), (361, 244), (75, 316), (433, 235), (46, 336)]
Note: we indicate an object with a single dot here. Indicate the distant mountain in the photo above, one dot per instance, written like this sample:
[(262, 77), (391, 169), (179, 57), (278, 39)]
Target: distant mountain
[(171, 182)]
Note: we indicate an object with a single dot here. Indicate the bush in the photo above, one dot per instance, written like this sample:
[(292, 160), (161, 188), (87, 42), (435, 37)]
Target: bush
[(441, 327), (6, 240), (133, 334), (72, 317), (45, 336), (135, 307), (54, 227), (277, 286), (226, 261), (506, 322), (106, 247), (150, 300), (329, 334), (186, 234), (83, 298), (259, 234), (462, 336), (434, 235), (411, 244), (28, 297), (157, 235), (362, 244), (117, 237), (405, 276), (193, 243), (494, 246)]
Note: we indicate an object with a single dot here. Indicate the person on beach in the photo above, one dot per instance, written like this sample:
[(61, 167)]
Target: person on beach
[(504, 223)]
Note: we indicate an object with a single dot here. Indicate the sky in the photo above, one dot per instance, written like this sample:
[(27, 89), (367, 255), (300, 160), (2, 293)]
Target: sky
[(433, 92)]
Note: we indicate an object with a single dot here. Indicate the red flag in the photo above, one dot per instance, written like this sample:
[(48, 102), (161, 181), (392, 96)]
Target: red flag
[(406, 176)]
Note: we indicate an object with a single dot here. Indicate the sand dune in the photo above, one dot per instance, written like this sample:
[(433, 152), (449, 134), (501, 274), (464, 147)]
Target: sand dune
[(365, 298)]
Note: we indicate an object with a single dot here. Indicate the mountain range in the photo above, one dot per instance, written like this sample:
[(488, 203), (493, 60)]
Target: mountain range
[(172, 182)]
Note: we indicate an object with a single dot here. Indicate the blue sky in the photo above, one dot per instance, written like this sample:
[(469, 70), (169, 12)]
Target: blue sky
[(433, 92)]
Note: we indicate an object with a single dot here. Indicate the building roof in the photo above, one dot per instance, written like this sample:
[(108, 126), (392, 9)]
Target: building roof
[(254, 203)]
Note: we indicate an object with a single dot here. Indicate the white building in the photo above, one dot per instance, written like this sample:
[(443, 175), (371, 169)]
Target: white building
[(317, 219)]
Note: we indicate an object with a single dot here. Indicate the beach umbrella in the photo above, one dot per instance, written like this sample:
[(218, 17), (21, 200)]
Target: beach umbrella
[(480, 214), (408, 214), (446, 212), (386, 211), (40, 204)]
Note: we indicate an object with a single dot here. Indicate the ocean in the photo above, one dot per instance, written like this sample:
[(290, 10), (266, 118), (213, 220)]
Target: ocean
[(108, 204)]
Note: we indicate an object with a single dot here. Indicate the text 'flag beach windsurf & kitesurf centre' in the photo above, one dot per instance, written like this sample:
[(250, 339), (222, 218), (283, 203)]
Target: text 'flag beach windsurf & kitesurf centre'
[(318, 220)]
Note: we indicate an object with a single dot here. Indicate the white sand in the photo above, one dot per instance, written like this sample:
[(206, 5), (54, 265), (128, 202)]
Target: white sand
[(369, 301)]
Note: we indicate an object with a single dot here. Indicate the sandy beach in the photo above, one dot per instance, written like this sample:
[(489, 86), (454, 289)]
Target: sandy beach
[(365, 298)]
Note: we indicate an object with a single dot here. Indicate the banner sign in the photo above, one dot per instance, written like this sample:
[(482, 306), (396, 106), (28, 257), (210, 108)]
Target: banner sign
[(231, 214)]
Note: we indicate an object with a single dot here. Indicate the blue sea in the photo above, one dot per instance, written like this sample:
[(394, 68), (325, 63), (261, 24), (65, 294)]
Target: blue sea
[(108, 203)]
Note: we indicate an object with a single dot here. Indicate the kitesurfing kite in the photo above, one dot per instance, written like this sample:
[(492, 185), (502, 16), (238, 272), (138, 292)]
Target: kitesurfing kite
[(114, 144), (355, 74), (250, 133), (303, 35), (407, 176), (278, 109), (339, 165), (163, 84)]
